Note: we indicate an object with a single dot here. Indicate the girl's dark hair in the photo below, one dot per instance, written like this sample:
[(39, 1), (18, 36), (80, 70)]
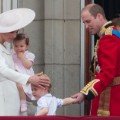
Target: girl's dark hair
[(21, 36)]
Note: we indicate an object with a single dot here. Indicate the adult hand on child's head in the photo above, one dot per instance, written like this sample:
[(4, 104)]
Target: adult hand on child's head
[(40, 80), (45, 80)]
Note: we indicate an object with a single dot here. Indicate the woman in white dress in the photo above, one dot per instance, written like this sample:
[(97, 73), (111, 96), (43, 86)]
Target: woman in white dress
[(10, 22)]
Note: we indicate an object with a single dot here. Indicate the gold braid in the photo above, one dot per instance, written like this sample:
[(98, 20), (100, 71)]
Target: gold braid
[(95, 56)]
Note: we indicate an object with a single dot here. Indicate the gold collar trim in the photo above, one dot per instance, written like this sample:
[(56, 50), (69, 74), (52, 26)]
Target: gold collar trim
[(104, 28)]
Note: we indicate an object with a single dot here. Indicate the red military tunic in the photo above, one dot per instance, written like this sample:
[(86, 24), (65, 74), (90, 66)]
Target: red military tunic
[(108, 58)]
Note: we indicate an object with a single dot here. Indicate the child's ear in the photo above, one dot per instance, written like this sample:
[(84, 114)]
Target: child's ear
[(46, 88)]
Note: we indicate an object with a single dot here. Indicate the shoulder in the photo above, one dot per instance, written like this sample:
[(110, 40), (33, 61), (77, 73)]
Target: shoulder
[(108, 31), (43, 101), (29, 54), (112, 31), (12, 51), (44, 98)]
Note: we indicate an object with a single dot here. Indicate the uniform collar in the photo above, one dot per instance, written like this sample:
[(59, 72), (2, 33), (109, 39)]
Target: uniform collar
[(104, 28)]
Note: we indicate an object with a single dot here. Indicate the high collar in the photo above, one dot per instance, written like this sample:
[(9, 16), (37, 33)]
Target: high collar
[(104, 28)]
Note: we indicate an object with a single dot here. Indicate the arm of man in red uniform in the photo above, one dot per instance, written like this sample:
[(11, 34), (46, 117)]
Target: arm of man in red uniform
[(108, 56)]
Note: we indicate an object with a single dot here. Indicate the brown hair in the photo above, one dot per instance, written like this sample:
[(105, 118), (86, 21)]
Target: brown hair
[(94, 9), (22, 36), (116, 22)]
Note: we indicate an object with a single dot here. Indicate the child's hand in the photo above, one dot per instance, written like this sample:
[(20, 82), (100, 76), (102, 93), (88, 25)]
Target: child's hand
[(20, 54), (79, 97)]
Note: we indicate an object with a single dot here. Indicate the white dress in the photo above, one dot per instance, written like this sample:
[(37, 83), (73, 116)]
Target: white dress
[(9, 96), (21, 69)]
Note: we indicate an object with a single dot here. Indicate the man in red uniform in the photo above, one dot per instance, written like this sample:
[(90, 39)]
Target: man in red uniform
[(104, 90)]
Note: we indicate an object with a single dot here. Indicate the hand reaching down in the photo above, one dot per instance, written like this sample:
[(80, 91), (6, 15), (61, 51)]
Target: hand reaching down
[(79, 97)]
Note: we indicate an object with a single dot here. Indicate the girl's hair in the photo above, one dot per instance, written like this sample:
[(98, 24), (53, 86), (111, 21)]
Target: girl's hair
[(21, 36)]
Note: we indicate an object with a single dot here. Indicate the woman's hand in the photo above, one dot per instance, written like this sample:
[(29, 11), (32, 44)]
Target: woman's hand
[(40, 79)]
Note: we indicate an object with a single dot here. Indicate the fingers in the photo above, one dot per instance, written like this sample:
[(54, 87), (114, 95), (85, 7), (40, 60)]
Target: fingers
[(46, 77), (39, 74), (43, 76), (74, 96), (41, 86), (44, 84), (42, 80)]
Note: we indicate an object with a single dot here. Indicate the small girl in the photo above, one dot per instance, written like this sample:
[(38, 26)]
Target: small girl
[(23, 60), (47, 104)]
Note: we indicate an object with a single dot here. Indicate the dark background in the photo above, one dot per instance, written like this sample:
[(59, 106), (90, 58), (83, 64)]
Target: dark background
[(111, 8)]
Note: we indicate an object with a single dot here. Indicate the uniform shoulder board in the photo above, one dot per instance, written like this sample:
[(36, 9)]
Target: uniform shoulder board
[(109, 31)]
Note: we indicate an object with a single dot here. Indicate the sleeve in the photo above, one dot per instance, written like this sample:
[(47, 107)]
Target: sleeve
[(30, 56), (108, 53), (59, 102), (42, 103), (11, 74)]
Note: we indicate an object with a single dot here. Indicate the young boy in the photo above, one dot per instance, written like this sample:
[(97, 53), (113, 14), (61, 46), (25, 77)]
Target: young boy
[(47, 104)]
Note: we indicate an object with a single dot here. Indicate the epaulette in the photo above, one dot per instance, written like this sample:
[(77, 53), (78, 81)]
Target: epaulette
[(111, 31), (108, 30)]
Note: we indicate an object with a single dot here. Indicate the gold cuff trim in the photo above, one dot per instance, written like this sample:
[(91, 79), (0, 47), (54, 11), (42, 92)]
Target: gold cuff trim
[(89, 87), (94, 91)]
